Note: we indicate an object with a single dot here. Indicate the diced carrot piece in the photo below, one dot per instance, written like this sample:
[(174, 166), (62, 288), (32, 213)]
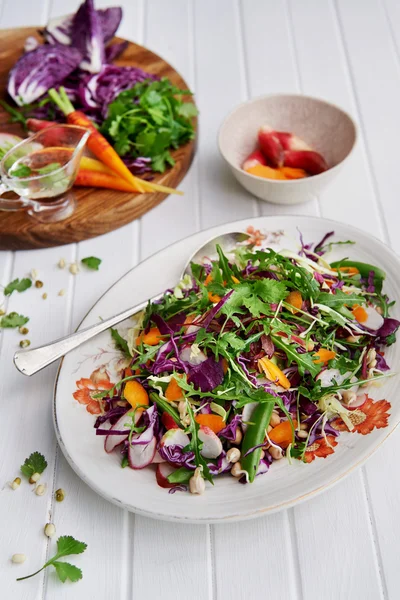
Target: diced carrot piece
[(295, 299), (151, 338), (235, 279), (293, 173), (225, 365), (360, 314), (266, 172), (214, 298), (273, 373), (348, 270), (128, 372), (135, 393), (173, 393), (214, 422), (208, 279), (282, 434), (323, 356)]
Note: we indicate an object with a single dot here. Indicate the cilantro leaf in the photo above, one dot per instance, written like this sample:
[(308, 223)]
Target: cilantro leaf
[(234, 341), (66, 545), (270, 290), (339, 299), (18, 285), (92, 262), (120, 342), (13, 319), (35, 463)]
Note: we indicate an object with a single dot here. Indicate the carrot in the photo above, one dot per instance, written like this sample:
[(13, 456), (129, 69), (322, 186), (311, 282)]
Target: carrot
[(151, 338), (295, 299), (173, 393), (323, 356), (86, 178), (273, 373), (348, 270), (266, 172), (214, 422), (100, 147), (96, 142), (214, 298), (282, 434), (135, 393), (292, 173), (360, 314)]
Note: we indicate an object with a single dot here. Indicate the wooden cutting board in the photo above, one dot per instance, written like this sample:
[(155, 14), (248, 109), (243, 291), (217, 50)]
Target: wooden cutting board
[(98, 211)]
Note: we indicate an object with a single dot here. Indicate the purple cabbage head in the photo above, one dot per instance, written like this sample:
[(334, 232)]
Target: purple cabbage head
[(87, 36), (114, 50), (59, 30), (38, 71)]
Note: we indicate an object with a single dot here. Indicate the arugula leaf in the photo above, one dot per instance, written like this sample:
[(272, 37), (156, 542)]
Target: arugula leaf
[(35, 463), (13, 319), (120, 342), (304, 361), (339, 299), (66, 545), (17, 285), (92, 262), (66, 571)]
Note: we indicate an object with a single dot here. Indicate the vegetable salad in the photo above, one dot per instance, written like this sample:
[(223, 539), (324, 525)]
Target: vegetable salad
[(258, 355)]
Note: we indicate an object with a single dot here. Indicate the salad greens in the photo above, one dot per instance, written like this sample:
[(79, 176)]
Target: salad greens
[(148, 120), (263, 351), (17, 285), (35, 463)]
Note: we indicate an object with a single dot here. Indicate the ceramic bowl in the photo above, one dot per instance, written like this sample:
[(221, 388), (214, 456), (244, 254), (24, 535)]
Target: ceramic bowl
[(325, 127)]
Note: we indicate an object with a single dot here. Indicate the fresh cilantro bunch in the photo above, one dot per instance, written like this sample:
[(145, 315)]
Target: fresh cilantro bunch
[(149, 120)]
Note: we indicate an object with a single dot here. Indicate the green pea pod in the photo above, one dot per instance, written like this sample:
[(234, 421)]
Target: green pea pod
[(165, 406), (364, 270), (255, 435), (181, 475)]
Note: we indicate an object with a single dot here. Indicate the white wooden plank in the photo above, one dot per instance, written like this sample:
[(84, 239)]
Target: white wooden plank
[(106, 574), (220, 85), (375, 72), (334, 542), (29, 421), (378, 105), (324, 74), (168, 34), (178, 553), (254, 559), (23, 14)]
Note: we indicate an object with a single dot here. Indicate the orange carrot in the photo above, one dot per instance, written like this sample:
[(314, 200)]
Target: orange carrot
[(151, 338), (295, 299), (135, 393), (97, 179), (214, 422), (214, 298), (266, 172), (360, 314), (273, 373), (323, 356), (282, 434), (348, 270), (96, 142), (292, 173), (173, 393)]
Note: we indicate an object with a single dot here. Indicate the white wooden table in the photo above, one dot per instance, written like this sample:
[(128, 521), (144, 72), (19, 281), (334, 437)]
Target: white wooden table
[(344, 544)]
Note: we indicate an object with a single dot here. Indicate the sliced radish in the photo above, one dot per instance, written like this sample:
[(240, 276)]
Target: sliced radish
[(329, 377), (247, 412), (359, 401), (158, 459), (141, 455), (174, 437), (162, 473), (212, 445), (112, 441), (192, 355)]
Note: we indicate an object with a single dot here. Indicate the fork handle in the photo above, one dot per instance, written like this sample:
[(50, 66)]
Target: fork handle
[(31, 361)]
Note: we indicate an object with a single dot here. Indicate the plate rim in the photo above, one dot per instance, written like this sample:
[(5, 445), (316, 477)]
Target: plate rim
[(244, 516)]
